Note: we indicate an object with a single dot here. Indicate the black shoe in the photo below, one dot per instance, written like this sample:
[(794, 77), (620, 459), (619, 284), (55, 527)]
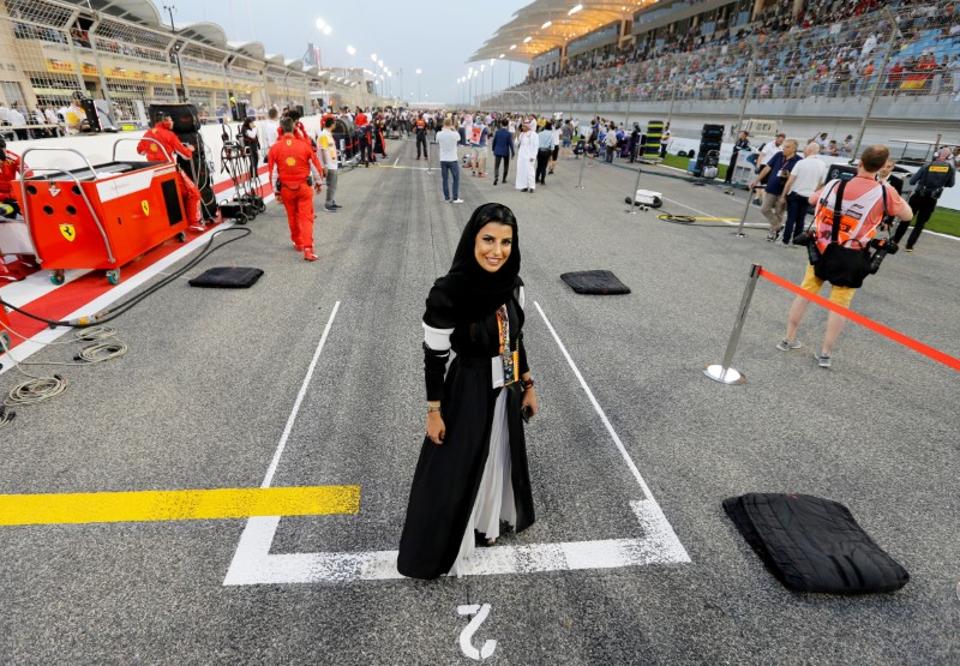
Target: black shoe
[(330, 209), (494, 181), (336, 205)]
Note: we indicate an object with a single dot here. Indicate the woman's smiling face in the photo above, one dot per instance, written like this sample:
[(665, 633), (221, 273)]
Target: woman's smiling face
[(493, 244)]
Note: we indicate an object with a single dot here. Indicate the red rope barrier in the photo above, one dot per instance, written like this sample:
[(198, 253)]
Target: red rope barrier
[(896, 336)]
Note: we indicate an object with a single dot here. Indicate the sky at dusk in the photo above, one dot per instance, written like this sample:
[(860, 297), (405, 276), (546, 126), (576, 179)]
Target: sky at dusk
[(434, 37)]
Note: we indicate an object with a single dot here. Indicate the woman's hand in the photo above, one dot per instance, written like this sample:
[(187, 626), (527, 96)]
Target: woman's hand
[(530, 401), (436, 429)]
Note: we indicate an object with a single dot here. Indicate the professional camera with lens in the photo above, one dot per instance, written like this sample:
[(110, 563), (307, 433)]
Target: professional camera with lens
[(882, 249)]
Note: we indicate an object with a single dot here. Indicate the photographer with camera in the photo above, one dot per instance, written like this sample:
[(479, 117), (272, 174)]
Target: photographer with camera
[(846, 219), (930, 180)]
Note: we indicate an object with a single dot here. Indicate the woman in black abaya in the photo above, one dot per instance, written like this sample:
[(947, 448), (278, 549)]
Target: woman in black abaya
[(472, 473)]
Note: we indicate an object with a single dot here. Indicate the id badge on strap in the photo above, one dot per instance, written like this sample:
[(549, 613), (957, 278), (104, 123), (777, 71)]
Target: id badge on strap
[(505, 368)]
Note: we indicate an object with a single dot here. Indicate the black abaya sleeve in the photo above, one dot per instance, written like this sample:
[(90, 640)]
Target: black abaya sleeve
[(522, 350), (434, 368), (437, 320)]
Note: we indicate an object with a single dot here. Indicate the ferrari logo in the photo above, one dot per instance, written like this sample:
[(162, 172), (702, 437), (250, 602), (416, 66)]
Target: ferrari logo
[(291, 161), (154, 147), (289, 142), (68, 231), (145, 207)]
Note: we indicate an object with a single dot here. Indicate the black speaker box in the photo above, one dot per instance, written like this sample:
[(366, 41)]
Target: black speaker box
[(91, 110), (712, 132), (185, 117)]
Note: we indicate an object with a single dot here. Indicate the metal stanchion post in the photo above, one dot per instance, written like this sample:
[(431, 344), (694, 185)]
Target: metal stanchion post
[(723, 373), (632, 206), (739, 232)]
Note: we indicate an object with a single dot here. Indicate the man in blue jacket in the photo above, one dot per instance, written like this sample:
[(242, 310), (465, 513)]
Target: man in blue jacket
[(502, 150)]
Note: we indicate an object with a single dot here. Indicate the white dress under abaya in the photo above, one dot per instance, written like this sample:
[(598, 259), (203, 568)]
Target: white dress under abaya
[(527, 148)]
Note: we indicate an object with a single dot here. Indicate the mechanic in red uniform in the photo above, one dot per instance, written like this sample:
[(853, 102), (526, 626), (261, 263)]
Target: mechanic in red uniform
[(162, 133), (292, 158), (9, 168)]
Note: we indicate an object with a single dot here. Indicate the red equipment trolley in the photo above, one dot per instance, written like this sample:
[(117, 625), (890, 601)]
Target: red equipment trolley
[(100, 217)]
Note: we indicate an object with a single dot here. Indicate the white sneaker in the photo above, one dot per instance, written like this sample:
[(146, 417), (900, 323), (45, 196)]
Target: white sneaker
[(458, 201), (787, 345)]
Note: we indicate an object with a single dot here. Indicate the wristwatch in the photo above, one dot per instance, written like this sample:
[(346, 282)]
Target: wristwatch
[(527, 384)]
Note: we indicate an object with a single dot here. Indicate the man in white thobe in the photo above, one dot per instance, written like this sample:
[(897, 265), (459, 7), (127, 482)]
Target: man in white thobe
[(527, 146)]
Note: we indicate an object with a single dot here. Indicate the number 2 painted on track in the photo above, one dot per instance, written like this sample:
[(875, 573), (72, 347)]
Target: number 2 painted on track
[(479, 614)]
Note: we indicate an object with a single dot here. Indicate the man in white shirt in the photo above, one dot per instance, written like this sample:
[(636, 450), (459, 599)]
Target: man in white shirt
[(449, 160), (328, 157), (806, 177), (269, 130), (769, 149), (17, 120)]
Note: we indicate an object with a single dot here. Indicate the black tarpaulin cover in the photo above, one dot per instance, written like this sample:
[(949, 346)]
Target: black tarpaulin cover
[(595, 282), (814, 545), (227, 277)]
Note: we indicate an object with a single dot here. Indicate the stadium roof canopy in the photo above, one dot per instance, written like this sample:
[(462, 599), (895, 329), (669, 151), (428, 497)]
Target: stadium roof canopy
[(206, 32), (562, 26), (146, 13), (138, 11)]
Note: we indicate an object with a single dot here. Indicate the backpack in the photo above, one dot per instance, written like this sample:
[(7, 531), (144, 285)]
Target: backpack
[(841, 266)]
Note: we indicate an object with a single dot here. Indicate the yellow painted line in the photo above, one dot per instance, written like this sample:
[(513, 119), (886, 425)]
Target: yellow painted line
[(169, 505)]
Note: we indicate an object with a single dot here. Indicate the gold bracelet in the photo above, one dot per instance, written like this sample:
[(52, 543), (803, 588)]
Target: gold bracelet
[(432, 408)]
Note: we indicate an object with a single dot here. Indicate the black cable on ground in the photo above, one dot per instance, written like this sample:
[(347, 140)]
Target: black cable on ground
[(105, 316)]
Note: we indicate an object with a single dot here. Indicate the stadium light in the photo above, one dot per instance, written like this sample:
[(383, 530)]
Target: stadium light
[(513, 46), (321, 24), (502, 55), (574, 9), (527, 39), (419, 71), (351, 50), (546, 25), (327, 29), (373, 57)]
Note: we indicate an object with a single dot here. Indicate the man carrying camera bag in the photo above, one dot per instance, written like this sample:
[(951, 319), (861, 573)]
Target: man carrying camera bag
[(846, 219)]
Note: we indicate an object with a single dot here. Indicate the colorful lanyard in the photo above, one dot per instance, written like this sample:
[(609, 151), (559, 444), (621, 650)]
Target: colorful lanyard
[(511, 364)]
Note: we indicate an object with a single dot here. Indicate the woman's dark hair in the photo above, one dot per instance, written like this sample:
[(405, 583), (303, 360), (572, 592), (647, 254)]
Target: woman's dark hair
[(492, 212), (548, 125)]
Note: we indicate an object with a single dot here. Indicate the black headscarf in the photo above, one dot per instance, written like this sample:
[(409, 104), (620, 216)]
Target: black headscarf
[(468, 292)]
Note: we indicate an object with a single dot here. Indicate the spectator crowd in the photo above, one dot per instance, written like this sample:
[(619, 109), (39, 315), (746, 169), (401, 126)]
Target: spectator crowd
[(832, 49)]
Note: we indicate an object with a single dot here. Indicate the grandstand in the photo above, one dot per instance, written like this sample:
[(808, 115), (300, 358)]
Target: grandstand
[(121, 52), (717, 56)]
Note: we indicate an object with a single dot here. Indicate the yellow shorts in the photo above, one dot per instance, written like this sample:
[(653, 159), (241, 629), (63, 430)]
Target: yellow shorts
[(839, 295)]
